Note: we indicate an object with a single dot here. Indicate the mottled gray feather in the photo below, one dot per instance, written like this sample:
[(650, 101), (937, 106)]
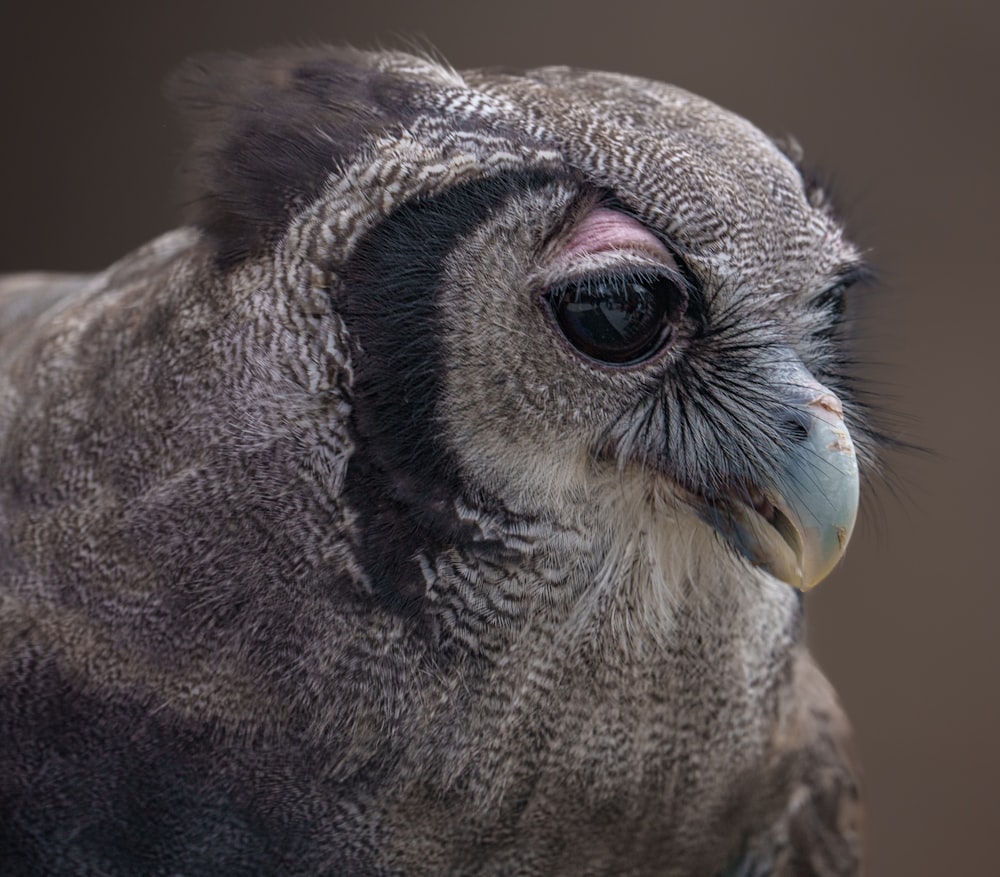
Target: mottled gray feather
[(320, 553)]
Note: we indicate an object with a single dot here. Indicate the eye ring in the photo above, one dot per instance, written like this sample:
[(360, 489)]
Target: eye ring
[(618, 319)]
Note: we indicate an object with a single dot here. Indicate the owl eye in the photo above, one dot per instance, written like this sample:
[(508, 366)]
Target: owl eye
[(620, 319), (834, 300)]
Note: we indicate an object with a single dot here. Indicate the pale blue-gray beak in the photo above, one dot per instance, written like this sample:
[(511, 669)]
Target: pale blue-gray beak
[(798, 527)]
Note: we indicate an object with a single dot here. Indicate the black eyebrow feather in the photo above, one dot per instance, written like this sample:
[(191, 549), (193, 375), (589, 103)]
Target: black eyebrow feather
[(853, 273)]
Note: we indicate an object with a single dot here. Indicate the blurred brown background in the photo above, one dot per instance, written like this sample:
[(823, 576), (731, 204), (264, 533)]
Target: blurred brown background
[(897, 102)]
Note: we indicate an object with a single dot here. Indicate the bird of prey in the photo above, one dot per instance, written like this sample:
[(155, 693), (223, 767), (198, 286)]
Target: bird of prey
[(439, 498)]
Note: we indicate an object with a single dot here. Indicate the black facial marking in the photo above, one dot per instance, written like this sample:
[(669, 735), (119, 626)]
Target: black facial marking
[(402, 480)]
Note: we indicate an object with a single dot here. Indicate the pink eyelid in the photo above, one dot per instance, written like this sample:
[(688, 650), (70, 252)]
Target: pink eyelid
[(604, 230)]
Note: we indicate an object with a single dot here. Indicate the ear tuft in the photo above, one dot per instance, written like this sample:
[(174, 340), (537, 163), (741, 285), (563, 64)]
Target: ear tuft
[(268, 131), (814, 184)]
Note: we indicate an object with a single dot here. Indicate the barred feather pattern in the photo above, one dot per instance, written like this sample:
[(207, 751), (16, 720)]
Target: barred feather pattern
[(322, 553)]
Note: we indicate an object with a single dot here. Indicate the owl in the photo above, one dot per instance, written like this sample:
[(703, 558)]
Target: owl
[(440, 498)]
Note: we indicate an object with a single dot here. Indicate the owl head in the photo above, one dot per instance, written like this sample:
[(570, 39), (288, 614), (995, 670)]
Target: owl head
[(564, 292), (430, 502)]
